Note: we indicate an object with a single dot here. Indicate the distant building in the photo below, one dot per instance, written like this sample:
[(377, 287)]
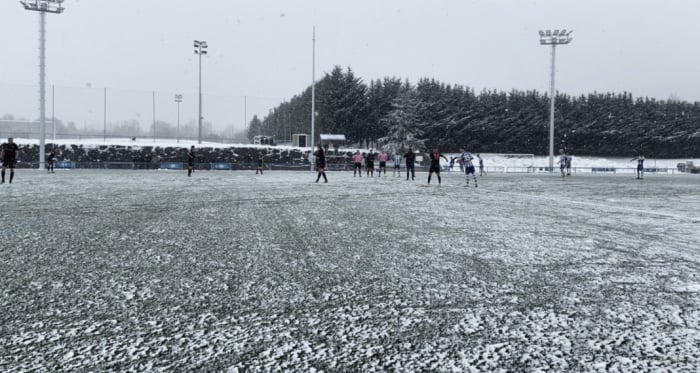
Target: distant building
[(300, 140), (263, 140)]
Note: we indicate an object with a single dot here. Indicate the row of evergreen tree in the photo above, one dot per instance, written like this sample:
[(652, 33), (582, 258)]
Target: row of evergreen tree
[(393, 113)]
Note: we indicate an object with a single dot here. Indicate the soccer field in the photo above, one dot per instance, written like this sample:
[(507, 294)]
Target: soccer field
[(232, 271)]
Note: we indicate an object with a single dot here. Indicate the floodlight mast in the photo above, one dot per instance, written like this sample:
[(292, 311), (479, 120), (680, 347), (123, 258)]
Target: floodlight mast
[(553, 38), (43, 7), (313, 95), (200, 49), (178, 99)]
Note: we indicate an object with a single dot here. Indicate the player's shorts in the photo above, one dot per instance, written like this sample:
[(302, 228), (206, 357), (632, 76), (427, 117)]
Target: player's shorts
[(358, 165), (9, 162), (382, 164), (435, 169), (370, 165), (397, 166), (469, 170)]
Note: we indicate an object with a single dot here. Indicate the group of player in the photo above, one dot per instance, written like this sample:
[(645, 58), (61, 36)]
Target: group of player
[(366, 160), (466, 162), (565, 164), (9, 154)]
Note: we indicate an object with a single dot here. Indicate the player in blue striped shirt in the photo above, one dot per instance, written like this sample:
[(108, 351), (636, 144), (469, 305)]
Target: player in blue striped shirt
[(466, 159)]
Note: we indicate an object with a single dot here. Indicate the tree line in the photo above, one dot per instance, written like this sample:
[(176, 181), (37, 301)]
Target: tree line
[(394, 114)]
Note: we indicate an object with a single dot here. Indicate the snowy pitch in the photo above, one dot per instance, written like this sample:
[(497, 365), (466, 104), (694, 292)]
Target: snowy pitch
[(229, 271)]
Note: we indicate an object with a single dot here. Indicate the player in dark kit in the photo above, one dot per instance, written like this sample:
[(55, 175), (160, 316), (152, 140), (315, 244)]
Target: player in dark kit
[(190, 161), (261, 160), (435, 165), (640, 166), (9, 152), (50, 161), (320, 163), (369, 163), (410, 157)]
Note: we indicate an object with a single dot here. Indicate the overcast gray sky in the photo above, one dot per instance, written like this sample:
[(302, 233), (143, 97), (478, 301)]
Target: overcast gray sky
[(262, 48)]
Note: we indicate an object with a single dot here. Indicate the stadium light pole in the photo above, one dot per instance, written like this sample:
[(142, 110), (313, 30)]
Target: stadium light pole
[(178, 99), (313, 93), (43, 7), (200, 49), (553, 38)]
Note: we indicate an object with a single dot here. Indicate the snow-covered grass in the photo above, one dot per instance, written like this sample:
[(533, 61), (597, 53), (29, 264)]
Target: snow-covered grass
[(229, 271)]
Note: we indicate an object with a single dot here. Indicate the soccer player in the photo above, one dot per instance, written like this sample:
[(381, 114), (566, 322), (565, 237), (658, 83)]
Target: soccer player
[(260, 160), (640, 166), (568, 165), (466, 158), (383, 157), (410, 163), (481, 165), (357, 160), (397, 163), (369, 162), (320, 163), (562, 162), (435, 156), (50, 160), (9, 152), (190, 161)]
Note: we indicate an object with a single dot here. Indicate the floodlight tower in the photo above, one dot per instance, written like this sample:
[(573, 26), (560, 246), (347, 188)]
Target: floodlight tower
[(200, 49), (313, 93), (43, 7), (178, 99), (553, 38)]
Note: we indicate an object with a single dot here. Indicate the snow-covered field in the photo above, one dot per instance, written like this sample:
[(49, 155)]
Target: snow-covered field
[(229, 271)]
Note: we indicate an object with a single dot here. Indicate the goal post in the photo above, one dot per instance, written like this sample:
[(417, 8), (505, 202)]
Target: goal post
[(508, 162)]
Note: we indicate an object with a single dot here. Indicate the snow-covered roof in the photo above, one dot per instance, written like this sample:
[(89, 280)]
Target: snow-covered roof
[(330, 137)]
